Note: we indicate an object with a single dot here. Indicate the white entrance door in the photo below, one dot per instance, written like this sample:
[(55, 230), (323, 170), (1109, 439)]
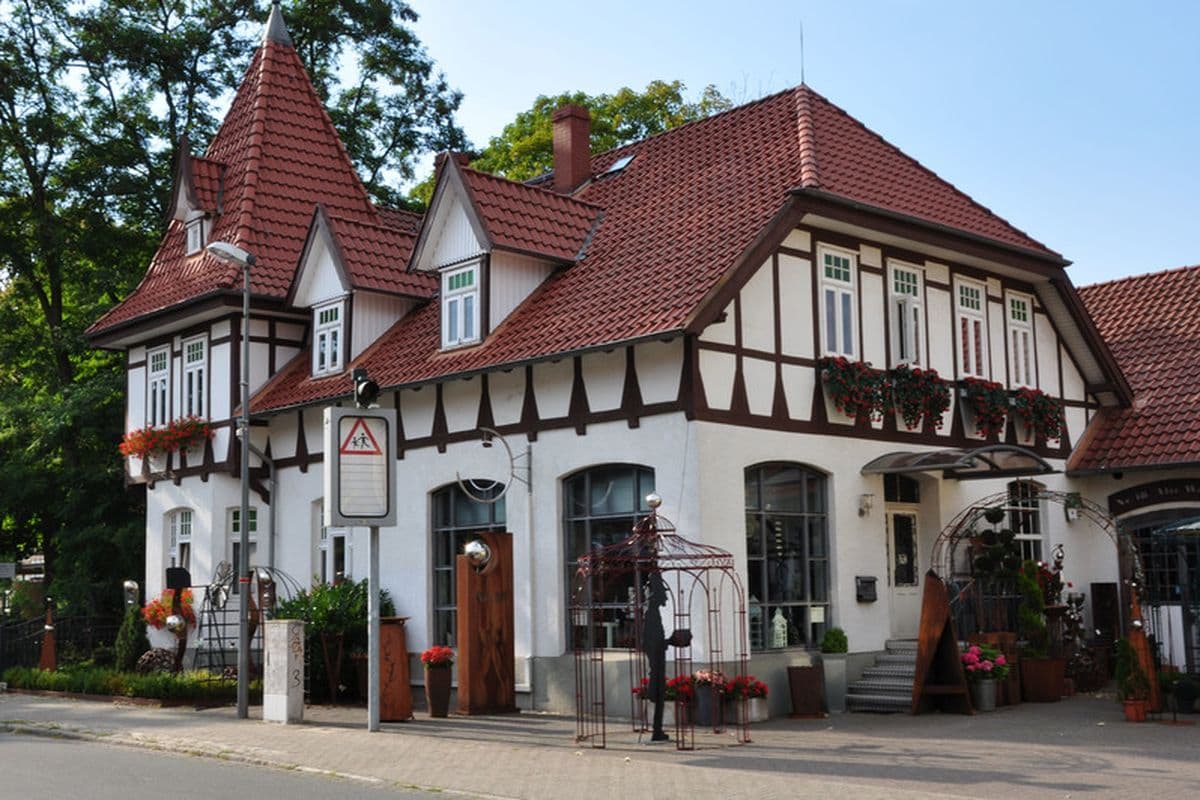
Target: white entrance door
[(904, 573)]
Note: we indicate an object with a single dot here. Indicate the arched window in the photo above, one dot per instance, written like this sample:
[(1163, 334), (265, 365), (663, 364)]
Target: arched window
[(600, 507), (179, 528), (787, 554), (1025, 518), (457, 519)]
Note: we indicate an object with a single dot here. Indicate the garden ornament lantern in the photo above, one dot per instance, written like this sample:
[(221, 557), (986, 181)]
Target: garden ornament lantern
[(131, 593)]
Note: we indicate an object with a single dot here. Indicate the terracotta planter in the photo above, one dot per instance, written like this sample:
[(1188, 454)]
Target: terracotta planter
[(1135, 710), (437, 691), (1042, 679)]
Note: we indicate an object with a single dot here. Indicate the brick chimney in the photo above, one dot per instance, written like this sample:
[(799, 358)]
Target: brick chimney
[(572, 151)]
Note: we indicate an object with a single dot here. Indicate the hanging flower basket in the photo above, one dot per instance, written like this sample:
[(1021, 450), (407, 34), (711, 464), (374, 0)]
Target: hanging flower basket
[(919, 396), (1040, 412), (155, 612), (988, 403), (857, 390), (179, 434)]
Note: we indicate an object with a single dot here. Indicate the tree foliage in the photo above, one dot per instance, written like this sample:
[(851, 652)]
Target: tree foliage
[(524, 149), (94, 97)]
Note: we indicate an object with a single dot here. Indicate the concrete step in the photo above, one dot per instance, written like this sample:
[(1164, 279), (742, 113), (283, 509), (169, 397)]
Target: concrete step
[(900, 659), (902, 686), (901, 646), (885, 703), (908, 672)]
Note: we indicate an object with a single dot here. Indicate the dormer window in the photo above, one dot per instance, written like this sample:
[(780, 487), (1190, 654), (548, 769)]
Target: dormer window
[(327, 338), (460, 306), (196, 235)]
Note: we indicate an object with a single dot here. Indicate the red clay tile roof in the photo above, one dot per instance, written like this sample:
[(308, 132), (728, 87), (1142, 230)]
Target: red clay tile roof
[(1152, 324), (207, 183), (375, 257), (675, 220), (530, 220), (400, 219), (841, 155), (283, 157)]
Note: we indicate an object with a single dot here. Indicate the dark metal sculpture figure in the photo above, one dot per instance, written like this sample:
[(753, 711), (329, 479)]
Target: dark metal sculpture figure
[(654, 645)]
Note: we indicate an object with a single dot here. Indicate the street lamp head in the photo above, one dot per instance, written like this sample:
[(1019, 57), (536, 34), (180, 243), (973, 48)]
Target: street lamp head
[(230, 254)]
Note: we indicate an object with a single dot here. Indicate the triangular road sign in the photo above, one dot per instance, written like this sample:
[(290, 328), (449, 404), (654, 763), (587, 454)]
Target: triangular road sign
[(360, 441)]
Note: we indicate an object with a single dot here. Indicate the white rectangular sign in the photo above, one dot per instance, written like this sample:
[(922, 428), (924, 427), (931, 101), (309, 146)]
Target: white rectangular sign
[(360, 480)]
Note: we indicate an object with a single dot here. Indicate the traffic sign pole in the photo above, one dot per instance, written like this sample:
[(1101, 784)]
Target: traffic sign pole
[(373, 666)]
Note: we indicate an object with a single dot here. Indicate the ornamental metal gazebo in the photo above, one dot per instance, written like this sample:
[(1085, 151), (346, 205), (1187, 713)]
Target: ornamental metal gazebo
[(616, 592)]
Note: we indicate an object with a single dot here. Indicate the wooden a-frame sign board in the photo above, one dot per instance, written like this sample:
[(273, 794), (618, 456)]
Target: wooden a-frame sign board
[(939, 681)]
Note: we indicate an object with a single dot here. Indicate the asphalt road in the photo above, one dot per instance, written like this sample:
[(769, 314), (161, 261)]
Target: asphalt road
[(42, 768)]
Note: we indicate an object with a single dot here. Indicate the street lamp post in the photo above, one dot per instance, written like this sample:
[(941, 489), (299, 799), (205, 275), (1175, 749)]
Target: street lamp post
[(236, 255)]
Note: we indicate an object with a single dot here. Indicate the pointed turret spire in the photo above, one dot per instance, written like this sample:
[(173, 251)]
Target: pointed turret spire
[(276, 30)]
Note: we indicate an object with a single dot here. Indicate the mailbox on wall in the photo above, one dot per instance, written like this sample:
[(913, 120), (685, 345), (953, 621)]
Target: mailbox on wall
[(864, 588)]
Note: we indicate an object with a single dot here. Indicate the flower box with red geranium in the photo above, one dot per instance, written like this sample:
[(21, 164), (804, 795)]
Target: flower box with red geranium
[(919, 396), (1040, 413), (749, 697), (854, 388), (178, 434), (987, 404)]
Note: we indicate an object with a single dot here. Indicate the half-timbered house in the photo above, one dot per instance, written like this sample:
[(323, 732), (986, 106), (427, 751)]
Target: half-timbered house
[(652, 318)]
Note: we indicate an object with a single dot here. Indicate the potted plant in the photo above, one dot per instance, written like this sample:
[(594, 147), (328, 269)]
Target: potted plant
[(437, 660), (1133, 686), (709, 685), (1041, 676), (987, 402), (919, 396), (985, 666), (834, 646), (856, 390), (750, 692)]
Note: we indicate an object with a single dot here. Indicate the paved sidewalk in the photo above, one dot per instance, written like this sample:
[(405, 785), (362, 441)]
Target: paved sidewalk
[(1078, 747)]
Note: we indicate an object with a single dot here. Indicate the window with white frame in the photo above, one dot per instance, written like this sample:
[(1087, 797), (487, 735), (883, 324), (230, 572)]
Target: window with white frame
[(235, 539), (460, 306), (1020, 340), (196, 235), (1025, 518), (838, 318), (905, 299), (327, 338), (195, 369), (458, 517), (971, 315), (158, 379), (180, 527), (333, 555)]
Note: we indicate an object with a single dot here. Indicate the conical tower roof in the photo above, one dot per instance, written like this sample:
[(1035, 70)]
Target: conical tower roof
[(277, 155)]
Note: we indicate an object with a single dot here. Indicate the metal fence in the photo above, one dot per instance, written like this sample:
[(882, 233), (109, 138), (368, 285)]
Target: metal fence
[(76, 638)]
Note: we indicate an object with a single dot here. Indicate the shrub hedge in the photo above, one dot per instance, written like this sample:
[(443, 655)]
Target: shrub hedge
[(186, 687)]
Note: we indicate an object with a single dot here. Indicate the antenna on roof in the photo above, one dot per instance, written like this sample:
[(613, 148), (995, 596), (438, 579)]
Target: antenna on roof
[(802, 52)]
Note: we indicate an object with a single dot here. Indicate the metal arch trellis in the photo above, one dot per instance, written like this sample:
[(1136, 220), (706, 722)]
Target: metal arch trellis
[(945, 549), (612, 581), (216, 634)]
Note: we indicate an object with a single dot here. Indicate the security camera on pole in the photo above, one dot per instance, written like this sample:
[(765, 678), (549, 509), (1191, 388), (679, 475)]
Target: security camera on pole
[(360, 490)]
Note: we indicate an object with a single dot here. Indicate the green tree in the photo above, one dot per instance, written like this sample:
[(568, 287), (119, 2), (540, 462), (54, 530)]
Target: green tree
[(94, 98), (525, 148)]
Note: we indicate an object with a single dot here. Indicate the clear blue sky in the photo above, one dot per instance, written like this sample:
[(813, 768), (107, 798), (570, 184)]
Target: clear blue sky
[(1075, 121)]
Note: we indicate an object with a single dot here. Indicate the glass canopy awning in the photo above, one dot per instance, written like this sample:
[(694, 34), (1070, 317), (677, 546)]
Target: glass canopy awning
[(992, 461)]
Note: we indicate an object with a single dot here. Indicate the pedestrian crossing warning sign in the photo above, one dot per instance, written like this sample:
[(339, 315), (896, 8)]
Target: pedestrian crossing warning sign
[(359, 478), (359, 441)]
